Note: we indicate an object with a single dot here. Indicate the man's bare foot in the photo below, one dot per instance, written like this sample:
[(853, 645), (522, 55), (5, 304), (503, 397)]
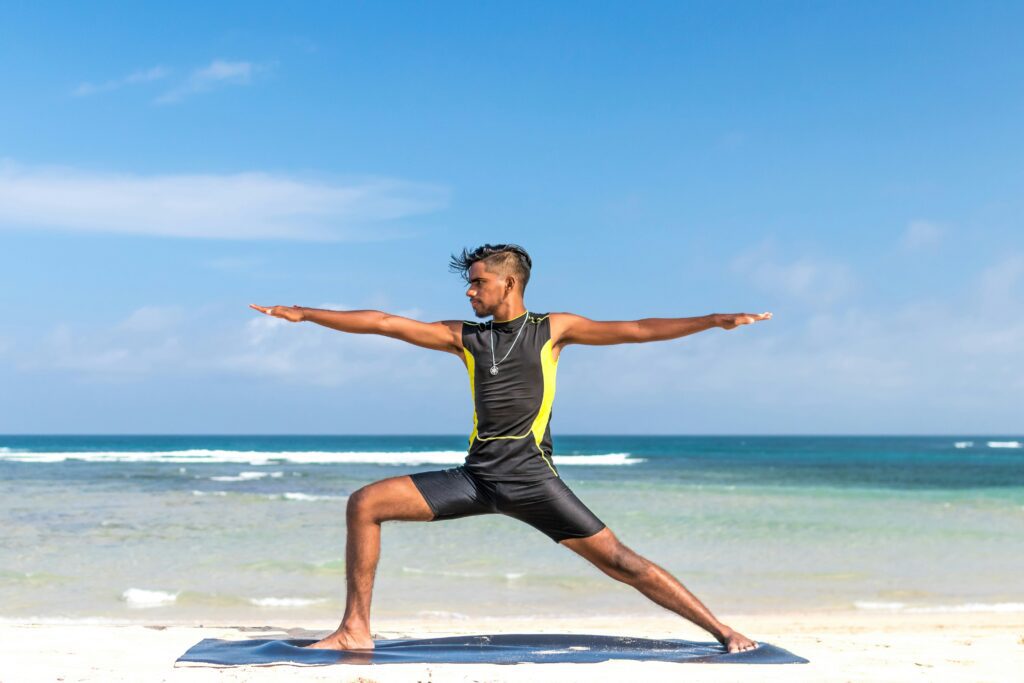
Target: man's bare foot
[(344, 640), (735, 641)]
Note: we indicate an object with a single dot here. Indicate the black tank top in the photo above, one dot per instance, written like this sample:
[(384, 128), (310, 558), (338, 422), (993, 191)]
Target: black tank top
[(511, 438)]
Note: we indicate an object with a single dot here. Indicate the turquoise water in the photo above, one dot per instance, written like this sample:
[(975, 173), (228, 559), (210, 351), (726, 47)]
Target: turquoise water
[(212, 527)]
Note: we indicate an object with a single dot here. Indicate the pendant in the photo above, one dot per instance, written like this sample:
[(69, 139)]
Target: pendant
[(494, 369)]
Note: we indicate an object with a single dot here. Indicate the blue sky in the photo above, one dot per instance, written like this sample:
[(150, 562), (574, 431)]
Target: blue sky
[(853, 167)]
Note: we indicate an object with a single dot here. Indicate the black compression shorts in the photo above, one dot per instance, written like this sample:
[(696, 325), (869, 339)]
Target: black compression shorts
[(545, 504)]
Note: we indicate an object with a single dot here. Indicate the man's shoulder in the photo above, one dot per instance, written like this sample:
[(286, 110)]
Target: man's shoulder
[(537, 318)]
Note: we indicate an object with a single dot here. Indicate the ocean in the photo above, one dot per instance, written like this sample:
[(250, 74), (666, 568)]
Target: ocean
[(187, 528)]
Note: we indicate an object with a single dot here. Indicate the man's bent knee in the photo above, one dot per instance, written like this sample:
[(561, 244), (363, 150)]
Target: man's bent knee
[(360, 506), (390, 499)]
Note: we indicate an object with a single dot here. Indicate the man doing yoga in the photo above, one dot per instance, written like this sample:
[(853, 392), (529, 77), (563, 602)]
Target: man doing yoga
[(509, 469)]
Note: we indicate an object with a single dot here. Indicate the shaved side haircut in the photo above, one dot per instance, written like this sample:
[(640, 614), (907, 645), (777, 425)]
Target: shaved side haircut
[(504, 259)]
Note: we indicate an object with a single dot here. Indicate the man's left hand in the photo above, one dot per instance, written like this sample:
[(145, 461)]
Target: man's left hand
[(727, 321)]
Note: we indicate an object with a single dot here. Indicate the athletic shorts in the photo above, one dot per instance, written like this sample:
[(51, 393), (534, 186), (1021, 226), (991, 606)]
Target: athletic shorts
[(545, 504)]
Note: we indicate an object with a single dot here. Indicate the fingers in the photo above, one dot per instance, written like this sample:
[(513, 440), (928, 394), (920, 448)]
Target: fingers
[(747, 318), (262, 309)]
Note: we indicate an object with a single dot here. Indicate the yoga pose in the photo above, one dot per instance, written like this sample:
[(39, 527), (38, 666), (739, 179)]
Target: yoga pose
[(509, 469)]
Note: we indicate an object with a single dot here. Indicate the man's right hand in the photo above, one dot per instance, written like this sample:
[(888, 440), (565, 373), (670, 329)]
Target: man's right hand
[(294, 314)]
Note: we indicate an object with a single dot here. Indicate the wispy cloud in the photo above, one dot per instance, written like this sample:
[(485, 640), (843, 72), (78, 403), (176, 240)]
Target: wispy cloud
[(157, 341), (216, 74), (806, 279), (924, 366), (921, 367), (233, 206), (921, 235), (137, 77), (1001, 286)]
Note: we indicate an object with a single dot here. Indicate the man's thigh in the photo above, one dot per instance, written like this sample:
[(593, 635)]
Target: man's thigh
[(454, 493), (395, 498), (549, 506)]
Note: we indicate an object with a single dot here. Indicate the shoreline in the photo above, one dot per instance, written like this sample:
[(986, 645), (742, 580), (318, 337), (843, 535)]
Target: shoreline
[(841, 646)]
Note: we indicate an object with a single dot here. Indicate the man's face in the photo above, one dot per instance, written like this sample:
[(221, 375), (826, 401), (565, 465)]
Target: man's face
[(486, 290)]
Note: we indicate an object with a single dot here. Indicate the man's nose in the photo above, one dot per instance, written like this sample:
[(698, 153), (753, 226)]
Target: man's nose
[(470, 292)]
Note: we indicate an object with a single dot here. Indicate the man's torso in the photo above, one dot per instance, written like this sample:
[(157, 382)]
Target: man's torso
[(511, 438)]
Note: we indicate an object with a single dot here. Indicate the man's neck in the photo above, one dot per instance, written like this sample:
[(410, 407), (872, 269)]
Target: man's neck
[(509, 311)]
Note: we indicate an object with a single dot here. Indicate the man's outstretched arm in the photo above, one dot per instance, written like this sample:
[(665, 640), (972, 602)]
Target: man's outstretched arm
[(445, 335), (567, 328)]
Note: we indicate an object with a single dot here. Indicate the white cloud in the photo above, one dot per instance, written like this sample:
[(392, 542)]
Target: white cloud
[(216, 74), (1001, 287), (229, 206), (152, 319), (155, 341), (138, 77), (926, 366), (921, 234), (808, 280), (109, 354)]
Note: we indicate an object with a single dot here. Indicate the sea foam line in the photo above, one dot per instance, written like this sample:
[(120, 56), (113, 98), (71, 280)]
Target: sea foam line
[(248, 476), (140, 597), (298, 495), (286, 602), (208, 456), (1005, 444), (941, 609)]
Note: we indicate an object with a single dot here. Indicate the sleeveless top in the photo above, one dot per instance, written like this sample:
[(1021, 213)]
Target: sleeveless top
[(511, 438)]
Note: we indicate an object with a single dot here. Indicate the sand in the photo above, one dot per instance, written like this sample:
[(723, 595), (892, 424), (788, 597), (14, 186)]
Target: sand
[(859, 646)]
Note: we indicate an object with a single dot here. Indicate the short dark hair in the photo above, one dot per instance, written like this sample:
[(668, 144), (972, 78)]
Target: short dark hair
[(509, 258)]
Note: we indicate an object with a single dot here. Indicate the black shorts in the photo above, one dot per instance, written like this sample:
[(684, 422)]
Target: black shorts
[(545, 504)]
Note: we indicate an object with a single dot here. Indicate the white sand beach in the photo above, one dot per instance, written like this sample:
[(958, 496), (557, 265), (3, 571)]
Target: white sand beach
[(975, 647)]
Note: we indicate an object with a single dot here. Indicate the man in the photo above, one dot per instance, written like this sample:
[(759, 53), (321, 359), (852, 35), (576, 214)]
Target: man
[(511, 360)]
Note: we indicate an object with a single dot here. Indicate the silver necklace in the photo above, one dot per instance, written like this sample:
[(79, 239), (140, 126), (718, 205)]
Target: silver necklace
[(490, 329)]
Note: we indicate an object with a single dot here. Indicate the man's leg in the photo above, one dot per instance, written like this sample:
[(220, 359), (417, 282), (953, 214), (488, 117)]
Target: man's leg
[(609, 555), (396, 498)]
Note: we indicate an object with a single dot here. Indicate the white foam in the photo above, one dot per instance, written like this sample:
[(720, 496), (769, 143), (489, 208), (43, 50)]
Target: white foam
[(1005, 444), (249, 476), (879, 605), (439, 614), (963, 444), (1002, 607), (605, 459), (294, 495), (286, 602), (508, 576), (67, 621), (139, 597), (256, 458), (209, 493)]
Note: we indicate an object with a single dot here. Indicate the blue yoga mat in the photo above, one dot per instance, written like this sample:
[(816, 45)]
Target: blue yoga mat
[(496, 649)]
